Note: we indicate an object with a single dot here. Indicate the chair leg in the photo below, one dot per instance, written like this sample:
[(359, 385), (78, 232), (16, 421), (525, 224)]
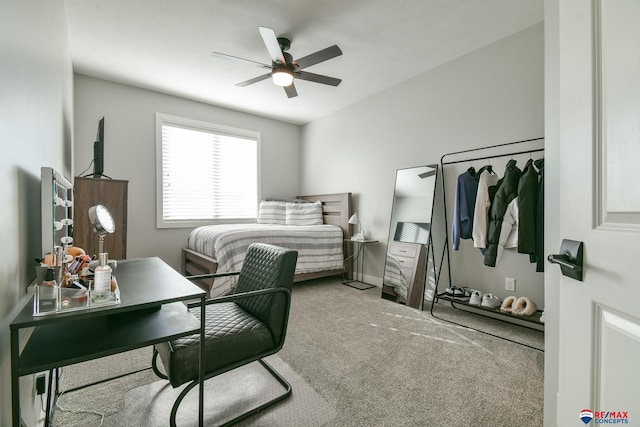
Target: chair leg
[(280, 397), (154, 365), (174, 409)]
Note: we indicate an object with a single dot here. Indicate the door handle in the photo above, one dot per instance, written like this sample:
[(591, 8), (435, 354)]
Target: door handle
[(564, 261), (569, 259)]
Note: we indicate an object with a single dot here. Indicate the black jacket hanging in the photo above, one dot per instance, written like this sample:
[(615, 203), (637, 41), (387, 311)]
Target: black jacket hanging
[(506, 192), (539, 252), (527, 206)]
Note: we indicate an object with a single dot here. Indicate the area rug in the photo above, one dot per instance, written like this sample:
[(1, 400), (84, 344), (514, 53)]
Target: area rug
[(226, 396)]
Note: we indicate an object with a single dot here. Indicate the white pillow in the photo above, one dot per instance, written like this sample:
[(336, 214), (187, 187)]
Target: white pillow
[(272, 213), (304, 213)]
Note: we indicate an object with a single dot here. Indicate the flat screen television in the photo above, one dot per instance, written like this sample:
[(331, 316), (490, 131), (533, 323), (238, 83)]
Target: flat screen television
[(412, 232), (98, 151)]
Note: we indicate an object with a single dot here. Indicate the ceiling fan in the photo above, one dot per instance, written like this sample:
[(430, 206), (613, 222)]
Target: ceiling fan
[(283, 67)]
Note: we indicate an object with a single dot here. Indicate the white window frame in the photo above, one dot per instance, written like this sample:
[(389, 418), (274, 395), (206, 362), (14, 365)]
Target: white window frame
[(168, 119)]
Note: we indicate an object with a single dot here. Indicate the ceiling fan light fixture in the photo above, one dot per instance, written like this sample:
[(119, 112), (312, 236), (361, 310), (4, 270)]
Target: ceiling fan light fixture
[(282, 76)]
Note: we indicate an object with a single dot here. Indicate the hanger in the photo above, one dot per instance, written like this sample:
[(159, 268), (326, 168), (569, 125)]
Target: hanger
[(489, 166), (471, 170)]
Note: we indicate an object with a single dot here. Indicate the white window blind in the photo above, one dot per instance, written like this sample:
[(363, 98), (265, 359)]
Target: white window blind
[(208, 173)]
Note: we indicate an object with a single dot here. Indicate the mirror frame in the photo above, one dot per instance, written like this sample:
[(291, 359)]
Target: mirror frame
[(422, 256)]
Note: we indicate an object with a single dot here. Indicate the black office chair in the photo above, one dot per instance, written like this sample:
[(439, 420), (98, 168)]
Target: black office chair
[(239, 329)]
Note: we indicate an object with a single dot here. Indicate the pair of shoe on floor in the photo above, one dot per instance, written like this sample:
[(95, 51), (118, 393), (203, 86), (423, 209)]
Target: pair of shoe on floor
[(488, 300), (518, 306), (457, 292)]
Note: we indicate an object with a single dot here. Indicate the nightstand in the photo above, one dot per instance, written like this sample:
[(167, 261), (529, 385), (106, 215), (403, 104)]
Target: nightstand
[(357, 255)]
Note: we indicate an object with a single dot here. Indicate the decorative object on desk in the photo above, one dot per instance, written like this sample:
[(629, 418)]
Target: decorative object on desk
[(101, 281), (74, 251), (74, 295), (46, 294), (354, 221), (103, 224)]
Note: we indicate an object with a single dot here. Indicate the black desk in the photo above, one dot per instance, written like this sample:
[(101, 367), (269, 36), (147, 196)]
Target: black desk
[(150, 312)]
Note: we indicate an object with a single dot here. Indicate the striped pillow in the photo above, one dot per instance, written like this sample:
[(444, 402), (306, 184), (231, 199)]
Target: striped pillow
[(304, 213), (272, 213)]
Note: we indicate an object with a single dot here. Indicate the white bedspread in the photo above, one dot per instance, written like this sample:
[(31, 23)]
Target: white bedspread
[(319, 246)]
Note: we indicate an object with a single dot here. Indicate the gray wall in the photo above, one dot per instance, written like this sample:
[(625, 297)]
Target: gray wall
[(36, 122), (490, 96), (130, 153)]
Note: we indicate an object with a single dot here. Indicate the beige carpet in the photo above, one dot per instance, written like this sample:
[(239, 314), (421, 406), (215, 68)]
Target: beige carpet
[(371, 363)]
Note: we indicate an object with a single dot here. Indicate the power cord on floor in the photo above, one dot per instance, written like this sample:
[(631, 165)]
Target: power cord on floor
[(101, 415)]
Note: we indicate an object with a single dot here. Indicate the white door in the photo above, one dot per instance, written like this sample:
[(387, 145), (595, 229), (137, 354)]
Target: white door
[(599, 146)]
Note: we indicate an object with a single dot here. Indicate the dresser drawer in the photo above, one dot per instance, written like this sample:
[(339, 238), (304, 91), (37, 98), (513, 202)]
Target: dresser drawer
[(406, 264), (403, 249)]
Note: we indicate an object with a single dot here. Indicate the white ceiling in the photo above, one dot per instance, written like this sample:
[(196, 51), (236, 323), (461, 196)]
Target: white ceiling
[(166, 45)]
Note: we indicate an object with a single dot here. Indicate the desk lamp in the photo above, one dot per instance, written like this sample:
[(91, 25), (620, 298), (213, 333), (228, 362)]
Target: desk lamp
[(354, 221)]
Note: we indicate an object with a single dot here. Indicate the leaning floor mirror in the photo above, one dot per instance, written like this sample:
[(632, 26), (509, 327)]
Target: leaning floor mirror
[(410, 244)]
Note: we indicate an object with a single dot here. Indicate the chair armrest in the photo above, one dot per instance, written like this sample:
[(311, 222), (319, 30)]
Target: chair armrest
[(206, 276), (243, 295)]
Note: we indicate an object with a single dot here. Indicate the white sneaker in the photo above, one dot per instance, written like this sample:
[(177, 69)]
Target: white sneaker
[(490, 301), (476, 297), (456, 292)]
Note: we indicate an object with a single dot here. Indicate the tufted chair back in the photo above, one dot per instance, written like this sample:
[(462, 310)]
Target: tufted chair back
[(267, 266)]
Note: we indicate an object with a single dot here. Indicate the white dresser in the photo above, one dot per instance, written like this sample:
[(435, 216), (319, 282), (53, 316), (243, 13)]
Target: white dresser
[(413, 259)]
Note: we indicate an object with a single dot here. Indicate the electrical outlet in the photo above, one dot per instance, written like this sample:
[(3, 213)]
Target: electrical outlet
[(510, 284), (40, 384)]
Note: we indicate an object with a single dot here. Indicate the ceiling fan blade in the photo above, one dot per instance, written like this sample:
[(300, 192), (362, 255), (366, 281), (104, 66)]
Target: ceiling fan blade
[(319, 56), (317, 78), (426, 174), (254, 80), (271, 42), (291, 90), (235, 58)]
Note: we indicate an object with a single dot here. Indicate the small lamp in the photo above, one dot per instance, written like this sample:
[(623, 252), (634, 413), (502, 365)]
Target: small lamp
[(354, 221)]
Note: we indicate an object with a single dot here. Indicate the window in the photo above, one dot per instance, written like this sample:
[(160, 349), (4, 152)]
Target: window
[(206, 173)]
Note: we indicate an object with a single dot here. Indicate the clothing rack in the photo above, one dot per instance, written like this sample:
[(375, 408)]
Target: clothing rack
[(444, 197)]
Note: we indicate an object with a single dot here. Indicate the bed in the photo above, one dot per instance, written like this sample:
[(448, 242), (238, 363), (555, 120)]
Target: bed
[(395, 278), (221, 248)]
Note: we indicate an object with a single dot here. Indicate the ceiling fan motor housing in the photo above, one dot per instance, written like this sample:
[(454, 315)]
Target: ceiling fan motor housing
[(284, 43)]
